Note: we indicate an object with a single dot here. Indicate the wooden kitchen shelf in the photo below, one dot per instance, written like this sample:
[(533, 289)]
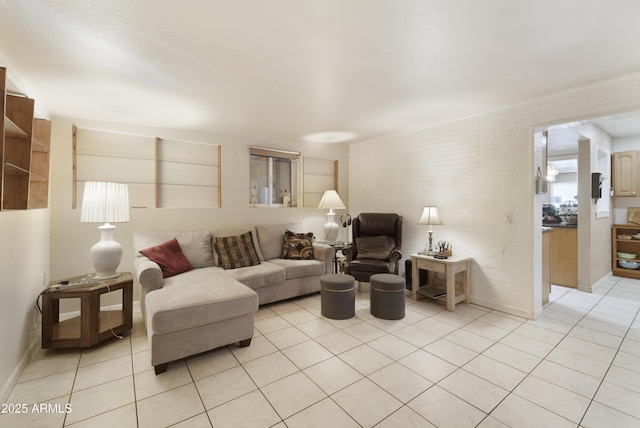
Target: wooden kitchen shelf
[(624, 246)]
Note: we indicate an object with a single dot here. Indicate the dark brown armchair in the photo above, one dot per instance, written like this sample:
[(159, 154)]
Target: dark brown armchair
[(377, 240)]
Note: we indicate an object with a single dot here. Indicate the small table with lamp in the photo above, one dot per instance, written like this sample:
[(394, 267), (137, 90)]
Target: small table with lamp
[(451, 266), (93, 325)]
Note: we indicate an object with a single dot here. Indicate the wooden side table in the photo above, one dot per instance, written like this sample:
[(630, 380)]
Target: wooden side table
[(450, 267), (93, 325)]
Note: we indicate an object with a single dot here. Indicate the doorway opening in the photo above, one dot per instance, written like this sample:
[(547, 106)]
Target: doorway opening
[(577, 151)]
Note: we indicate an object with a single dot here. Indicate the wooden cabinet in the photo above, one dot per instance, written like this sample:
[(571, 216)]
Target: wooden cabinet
[(625, 173), (622, 241), (94, 324), (564, 256), (24, 152)]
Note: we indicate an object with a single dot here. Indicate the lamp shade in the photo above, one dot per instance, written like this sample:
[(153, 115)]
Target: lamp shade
[(105, 202), (430, 216), (331, 200)]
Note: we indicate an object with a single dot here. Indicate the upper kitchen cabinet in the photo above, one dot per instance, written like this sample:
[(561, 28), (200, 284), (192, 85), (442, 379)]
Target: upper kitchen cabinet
[(20, 169), (625, 173)]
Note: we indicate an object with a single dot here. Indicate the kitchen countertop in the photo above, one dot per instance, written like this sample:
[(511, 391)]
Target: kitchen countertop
[(564, 225)]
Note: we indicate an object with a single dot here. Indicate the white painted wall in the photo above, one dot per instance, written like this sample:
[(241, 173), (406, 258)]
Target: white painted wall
[(71, 240), (24, 264), (626, 144), (37, 246), (24, 268), (476, 169), (594, 228)]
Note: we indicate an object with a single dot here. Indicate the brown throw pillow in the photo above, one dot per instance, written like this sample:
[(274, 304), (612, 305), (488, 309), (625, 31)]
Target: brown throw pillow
[(236, 251), (169, 257), (375, 247), (297, 246)]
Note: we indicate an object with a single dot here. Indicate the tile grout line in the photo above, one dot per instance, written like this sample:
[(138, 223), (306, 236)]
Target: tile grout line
[(609, 368), (527, 374), (573, 325), (556, 346)]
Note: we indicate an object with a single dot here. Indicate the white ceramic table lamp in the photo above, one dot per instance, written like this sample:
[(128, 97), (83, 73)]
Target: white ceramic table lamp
[(430, 217), (330, 200), (105, 203)]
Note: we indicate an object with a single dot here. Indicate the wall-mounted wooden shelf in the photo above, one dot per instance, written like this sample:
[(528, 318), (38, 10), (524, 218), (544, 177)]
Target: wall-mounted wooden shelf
[(24, 152)]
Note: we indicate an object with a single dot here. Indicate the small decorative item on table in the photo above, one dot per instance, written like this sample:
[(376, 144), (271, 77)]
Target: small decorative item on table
[(444, 250)]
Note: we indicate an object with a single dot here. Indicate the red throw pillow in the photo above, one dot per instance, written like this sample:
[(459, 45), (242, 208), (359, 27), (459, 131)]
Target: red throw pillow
[(169, 257)]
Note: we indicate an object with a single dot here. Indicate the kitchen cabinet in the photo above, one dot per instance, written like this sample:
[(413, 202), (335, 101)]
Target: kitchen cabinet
[(622, 241), (563, 267), (625, 173)]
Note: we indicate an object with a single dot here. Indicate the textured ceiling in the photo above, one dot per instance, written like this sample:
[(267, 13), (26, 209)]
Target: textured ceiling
[(282, 69)]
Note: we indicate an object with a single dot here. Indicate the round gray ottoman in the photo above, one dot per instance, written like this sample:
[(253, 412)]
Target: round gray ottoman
[(337, 296), (387, 296)]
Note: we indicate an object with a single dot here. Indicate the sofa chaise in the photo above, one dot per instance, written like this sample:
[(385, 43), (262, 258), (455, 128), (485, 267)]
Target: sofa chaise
[(203, 292)]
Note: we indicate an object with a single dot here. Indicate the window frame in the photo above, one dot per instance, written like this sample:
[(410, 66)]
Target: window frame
[(271, 156)]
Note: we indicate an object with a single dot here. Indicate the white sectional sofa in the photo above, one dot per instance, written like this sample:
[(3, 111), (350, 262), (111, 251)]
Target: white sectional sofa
[(208, 306)]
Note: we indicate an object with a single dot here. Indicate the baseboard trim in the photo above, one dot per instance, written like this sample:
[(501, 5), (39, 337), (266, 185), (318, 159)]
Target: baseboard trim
[(502, 308), (15, 375), (35, 345)]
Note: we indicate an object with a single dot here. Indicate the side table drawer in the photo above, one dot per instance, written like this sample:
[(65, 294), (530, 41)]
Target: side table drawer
[(430, 265)]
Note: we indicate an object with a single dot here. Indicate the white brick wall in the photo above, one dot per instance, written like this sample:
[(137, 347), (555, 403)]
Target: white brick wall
[(475, 170)]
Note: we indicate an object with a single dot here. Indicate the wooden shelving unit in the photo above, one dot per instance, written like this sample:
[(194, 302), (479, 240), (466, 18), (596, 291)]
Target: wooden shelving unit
[(39, 172), (24, 152), (624, 245), (622, 241)]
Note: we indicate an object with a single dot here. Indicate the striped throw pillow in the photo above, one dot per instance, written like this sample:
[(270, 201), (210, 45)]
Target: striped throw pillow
[(236, 251)]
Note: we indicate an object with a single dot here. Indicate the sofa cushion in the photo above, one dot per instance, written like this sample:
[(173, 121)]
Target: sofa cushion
[(196, 245), (169, 257), (262, 275), (236, 251), (374, 247), (199, 297), (235, 231), (297, 246), (300, 268), (271, 238)]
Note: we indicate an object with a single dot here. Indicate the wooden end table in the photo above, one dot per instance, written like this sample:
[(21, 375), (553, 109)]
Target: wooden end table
[(93, 325), (450, 267)]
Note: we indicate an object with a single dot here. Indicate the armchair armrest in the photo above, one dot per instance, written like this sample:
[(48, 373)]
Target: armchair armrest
[(148, 274), (394, 258)]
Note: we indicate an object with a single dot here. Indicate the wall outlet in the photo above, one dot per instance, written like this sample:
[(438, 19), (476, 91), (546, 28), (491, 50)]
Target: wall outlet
[(508, 218)]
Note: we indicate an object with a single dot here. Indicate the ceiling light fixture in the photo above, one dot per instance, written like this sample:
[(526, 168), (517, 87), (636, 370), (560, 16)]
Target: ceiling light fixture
[(330, 137)]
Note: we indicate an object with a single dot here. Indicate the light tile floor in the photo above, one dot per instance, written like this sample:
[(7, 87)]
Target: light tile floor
[(577, 364)]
